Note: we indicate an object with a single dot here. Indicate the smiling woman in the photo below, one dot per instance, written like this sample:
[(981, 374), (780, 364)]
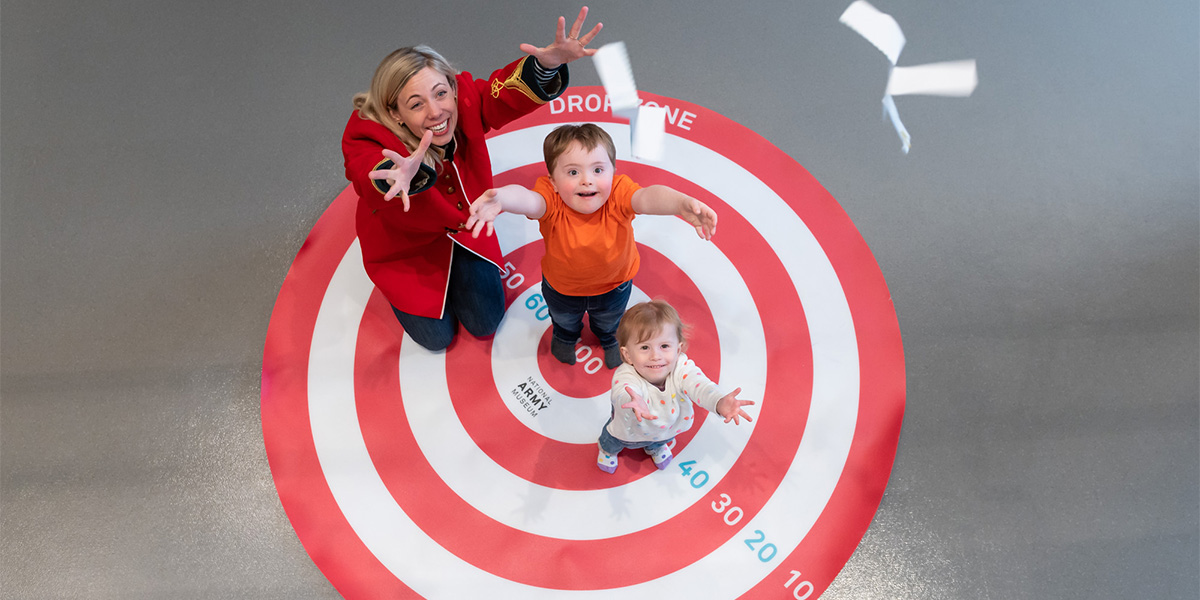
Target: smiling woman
[(418, 134)]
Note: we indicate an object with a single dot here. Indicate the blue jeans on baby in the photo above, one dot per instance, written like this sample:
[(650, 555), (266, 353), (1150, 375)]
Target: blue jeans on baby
[(604, 313), (612, 445), (474, 296)]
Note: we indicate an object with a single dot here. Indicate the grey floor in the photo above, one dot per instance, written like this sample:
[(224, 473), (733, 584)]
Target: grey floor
[(163, 161)]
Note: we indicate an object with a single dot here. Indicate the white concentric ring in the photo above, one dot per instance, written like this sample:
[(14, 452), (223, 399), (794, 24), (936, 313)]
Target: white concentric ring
[(421, 563)]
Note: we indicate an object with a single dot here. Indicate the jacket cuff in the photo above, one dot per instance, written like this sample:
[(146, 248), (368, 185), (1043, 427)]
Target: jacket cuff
[(424, 179), (549, 90)]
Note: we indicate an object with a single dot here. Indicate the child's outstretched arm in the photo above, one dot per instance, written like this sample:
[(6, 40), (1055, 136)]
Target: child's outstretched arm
[(697, 387), (510, 198), (730, 407), (662, 200)]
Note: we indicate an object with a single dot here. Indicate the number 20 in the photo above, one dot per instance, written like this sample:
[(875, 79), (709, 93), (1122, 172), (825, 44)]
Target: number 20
[(763, 555)]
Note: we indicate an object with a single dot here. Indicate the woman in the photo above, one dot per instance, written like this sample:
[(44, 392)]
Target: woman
[(418, 133)]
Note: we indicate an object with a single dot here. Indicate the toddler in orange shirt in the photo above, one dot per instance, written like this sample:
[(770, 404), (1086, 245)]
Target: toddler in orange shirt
[(585, 213)]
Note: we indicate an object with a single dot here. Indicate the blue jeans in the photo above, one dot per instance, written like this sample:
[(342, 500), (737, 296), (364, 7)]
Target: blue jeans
[(604, 313), (612, 445), (474, 297)]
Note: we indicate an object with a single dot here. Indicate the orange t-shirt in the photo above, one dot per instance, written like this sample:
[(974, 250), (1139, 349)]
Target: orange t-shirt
[(588, 255)]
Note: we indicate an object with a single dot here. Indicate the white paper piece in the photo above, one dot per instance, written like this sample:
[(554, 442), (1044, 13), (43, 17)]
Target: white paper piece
[(879, 28), (889, 110), (629, 114), (649, 131), (954, 78), (612, 64), (647, 124)]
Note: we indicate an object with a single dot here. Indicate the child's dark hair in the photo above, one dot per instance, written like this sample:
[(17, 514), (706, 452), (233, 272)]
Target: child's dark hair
[(589, 135), (644, 320)]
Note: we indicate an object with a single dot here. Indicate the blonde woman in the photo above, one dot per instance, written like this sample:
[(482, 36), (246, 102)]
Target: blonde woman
[(415, 153)]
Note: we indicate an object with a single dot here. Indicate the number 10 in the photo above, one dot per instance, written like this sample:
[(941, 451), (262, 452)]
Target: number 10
[(801, 586)]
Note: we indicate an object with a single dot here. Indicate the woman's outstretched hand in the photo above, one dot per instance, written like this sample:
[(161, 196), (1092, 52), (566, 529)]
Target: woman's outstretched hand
[(399, 177), (565, 48)]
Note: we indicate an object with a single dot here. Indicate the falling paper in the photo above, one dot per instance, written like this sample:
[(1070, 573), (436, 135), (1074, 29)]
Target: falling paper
[(889, 110), (879, 28), (955, 78), (647, 124), (649, 129), (612, 64)]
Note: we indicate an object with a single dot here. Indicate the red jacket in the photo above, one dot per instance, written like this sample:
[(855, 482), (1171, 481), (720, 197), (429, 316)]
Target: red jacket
[(408, 254)]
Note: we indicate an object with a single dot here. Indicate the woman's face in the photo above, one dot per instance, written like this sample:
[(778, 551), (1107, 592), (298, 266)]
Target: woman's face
[(427, 102)]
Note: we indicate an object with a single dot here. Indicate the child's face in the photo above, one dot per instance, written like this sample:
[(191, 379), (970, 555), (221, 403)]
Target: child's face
[(427, 102), (654, 358), (583, 178)]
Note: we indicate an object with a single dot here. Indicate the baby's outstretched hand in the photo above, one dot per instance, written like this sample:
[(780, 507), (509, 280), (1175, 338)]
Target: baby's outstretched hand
[(731, 408), (638, 405), (483, 211)]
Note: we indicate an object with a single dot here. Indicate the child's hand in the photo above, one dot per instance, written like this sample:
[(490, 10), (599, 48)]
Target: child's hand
[(483, 211), (402, 171), (640, 410), (703, 218), (731, 408)]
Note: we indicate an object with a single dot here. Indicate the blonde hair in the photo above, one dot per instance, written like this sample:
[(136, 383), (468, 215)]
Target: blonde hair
[(644, 320), (390, 77), (589, 135)]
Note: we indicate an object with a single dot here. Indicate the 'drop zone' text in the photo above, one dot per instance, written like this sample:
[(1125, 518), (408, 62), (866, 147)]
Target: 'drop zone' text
[(594, 103)]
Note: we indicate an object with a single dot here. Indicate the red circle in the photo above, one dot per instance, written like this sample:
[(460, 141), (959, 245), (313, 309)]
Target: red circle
[(350, 566)]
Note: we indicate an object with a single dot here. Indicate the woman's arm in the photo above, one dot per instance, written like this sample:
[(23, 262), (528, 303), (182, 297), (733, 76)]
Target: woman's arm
[(565, 48), (399, 175), (364, 143), (532, 81)]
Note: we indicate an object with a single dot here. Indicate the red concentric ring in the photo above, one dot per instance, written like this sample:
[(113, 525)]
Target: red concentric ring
[(472, 535)]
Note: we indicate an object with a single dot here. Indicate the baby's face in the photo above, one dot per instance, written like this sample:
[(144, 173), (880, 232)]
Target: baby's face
[(654, 358), (583, 177)]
